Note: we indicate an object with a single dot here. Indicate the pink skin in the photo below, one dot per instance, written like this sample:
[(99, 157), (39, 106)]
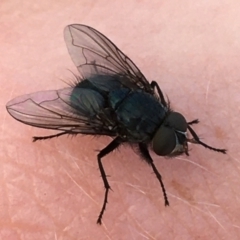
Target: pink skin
[(53, 190)]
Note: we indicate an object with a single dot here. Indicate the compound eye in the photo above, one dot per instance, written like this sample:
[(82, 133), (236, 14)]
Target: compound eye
[(177, 121), (164, 141)]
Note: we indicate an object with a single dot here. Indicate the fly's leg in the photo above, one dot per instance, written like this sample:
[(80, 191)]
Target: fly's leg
[(198, 141), (50, 136), (196, 121), (163, 101), (109, 148), (146, 156)]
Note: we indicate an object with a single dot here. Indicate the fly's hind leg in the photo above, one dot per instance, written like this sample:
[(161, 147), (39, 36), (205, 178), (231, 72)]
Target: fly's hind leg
[(49, 136)]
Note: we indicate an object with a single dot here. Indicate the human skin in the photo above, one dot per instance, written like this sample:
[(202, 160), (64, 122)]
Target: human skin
[(53, 190)]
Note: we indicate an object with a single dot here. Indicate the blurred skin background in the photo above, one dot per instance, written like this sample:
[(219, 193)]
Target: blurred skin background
[(53, 190)]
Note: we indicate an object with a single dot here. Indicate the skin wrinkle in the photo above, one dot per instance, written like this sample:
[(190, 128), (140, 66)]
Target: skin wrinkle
[(194, 163), (207, 91), (217, 221), (79, 186), (188, 49)]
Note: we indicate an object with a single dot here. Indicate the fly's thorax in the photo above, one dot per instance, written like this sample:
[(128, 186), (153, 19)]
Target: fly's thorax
[(137, 114), (171, 137), (116, 97)]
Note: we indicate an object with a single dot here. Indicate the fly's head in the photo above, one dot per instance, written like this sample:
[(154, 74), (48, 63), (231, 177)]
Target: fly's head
[(171, 137)]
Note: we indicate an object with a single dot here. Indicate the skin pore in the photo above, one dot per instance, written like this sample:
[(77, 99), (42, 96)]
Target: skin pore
[(53, 190)]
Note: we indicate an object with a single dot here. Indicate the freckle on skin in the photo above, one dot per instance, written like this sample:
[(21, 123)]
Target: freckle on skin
[(220, 133), (183, 191)]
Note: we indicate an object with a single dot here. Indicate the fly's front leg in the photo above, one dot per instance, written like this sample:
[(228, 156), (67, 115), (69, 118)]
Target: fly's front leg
[(146, 156), (195, 121), (163, 101), (198, 141), (109, 148)]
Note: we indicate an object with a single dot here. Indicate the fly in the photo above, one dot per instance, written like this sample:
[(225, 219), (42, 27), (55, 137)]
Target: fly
[(112, 98)]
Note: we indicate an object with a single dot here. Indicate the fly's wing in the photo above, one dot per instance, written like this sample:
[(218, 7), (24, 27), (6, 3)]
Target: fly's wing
[(95, 54), (73, 111)]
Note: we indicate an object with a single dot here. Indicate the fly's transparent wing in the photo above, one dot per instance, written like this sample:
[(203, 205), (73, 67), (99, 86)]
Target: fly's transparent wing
[(70, 110), (95, 54)]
